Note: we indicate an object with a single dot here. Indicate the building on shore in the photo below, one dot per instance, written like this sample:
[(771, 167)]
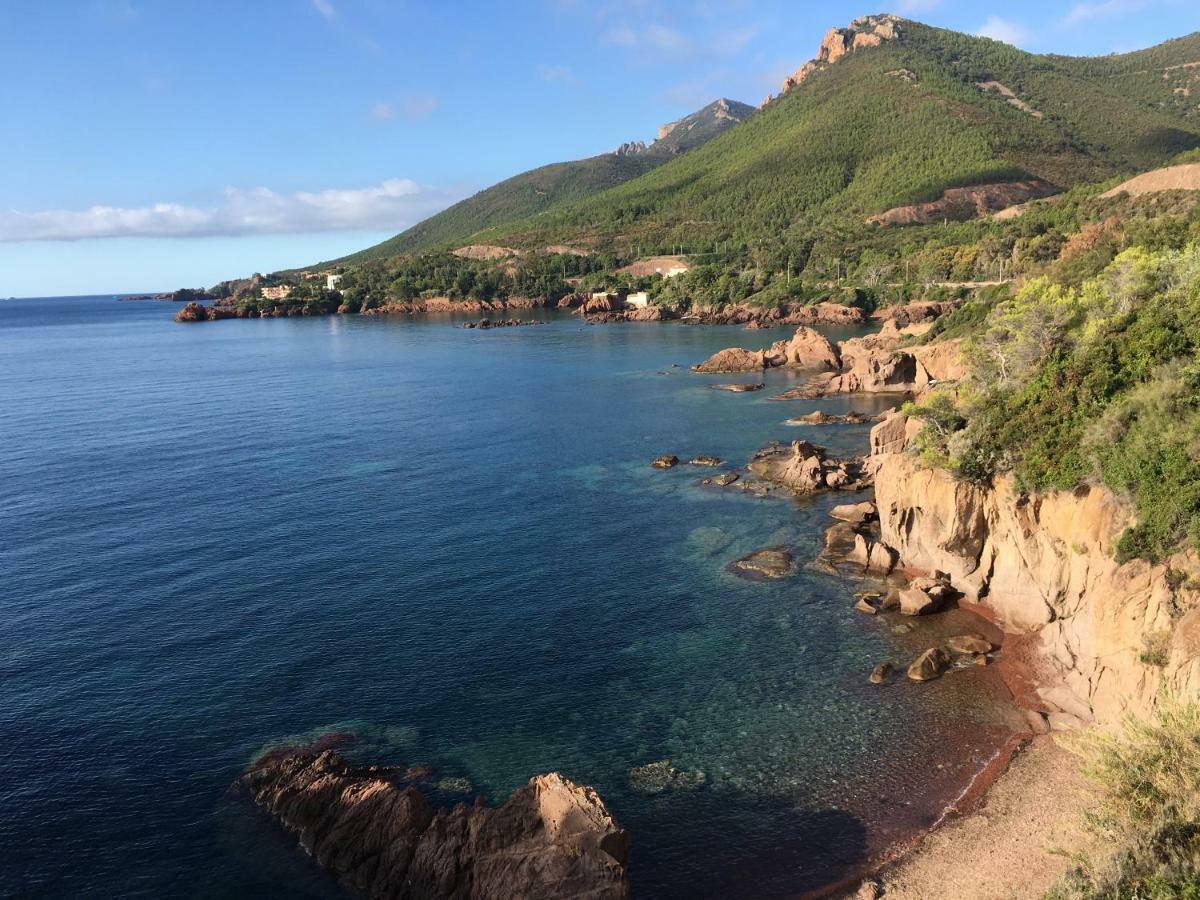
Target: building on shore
[(332, 282), (638, 300), (277, 292)]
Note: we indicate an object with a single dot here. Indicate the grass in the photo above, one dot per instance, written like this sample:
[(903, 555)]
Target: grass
[(1147, 780)]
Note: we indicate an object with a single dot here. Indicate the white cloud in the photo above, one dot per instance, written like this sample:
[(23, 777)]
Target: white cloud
[(382, 110), (392, 205), (1083, 12), (1003, 30), (325, 8)]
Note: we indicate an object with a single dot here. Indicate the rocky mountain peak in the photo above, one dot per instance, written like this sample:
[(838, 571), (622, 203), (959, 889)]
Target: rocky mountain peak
[(863, 32), (693, 130)]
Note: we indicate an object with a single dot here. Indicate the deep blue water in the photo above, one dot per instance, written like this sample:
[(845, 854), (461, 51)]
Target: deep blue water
[(218, 537)]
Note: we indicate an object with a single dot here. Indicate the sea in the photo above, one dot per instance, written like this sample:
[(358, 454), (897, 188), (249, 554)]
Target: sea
[(448, 545)]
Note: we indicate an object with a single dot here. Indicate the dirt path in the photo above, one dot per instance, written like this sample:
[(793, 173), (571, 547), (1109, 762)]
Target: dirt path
[(1003, 851)]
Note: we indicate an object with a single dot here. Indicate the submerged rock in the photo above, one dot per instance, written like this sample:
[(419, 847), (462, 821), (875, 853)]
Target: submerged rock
[(774, 562), (737, 388), (723, 480), (665, 462), (657, 777), (705, 461), (551, 839)]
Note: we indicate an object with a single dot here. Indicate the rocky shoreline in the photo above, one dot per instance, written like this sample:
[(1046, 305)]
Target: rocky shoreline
[(924, 545)]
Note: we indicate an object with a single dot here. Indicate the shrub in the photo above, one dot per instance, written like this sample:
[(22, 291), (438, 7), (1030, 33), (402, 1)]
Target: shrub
[(1148, 783)]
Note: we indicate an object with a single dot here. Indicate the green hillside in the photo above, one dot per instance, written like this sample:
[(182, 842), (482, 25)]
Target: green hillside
[(887, 126), (530, 193)]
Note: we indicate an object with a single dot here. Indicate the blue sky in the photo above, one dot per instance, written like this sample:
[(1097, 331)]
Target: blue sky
[(150, 144)]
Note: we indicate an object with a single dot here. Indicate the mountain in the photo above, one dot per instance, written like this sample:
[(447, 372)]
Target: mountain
[(892, 113), (533, 192)]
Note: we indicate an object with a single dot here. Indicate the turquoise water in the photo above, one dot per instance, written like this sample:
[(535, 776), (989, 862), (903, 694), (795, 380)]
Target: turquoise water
[(449, 543)]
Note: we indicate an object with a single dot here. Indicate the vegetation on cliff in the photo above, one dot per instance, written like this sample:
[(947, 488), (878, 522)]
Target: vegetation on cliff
[(1091, 380)]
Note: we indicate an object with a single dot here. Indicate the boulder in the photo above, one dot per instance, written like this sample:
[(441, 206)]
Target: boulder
[(915, 602), (969, 644), (863, 605), (381, 837), (929, 665), (854, 513), (723, 480), (705, 461), (880, 673), (665, 462), (882, 559), (772, 563)]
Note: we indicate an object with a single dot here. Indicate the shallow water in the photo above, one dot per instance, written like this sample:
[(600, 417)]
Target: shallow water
[(218, 537)]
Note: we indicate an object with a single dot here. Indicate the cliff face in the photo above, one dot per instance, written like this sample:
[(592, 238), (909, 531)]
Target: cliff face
[(1112, 635)]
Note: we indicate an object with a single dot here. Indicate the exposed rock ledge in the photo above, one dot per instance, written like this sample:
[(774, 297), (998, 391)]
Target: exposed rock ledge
[(964, 203), (1044, 565), (383, 839)]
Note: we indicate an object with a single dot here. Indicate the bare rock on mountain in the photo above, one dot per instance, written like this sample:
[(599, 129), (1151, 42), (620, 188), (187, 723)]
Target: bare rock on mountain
[(963, 203), (863, 33), (382, 838)]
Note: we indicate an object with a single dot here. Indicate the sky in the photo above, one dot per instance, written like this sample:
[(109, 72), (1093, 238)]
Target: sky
[(152, 144)]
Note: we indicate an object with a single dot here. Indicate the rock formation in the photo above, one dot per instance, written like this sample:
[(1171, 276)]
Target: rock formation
[(803, 468), (807, 349), (864, 32), (878, 364), (1045, 565), (383, 839)]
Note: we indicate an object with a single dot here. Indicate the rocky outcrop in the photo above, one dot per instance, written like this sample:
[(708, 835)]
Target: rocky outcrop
[(913, 313), (196, 312), (733, 359), (824, 418), (807, 349), (804, 468), (963, 203), (865, 32), (773, 316), (878, 364), (1044, 565), (382, 838)]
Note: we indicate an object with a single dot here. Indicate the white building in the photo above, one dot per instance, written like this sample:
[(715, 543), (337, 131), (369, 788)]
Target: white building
[(638, 300), (332, 282)]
